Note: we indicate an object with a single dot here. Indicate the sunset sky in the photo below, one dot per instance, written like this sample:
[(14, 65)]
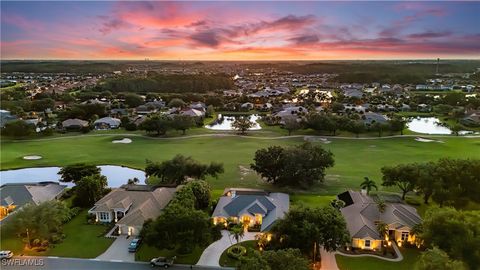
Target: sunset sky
[(239, 30)]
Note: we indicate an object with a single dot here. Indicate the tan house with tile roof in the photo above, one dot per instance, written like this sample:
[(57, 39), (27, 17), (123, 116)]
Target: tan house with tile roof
[(131, 205), (362, 215)]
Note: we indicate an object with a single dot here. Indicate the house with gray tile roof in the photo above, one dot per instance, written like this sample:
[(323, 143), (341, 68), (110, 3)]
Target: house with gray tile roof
[(129, 206), (253, 207), (16, 195), (362, 214)]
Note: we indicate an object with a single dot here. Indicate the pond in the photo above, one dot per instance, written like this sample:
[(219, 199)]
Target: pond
[(431, 125), (224, 122), (116, 175)]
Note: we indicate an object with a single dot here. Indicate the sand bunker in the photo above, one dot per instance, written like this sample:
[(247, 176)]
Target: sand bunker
[(420, 139), (124, 140), (316, 139), (32, 157)]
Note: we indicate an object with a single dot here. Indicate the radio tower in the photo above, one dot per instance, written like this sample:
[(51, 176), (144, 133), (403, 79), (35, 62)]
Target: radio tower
[(438, 62)]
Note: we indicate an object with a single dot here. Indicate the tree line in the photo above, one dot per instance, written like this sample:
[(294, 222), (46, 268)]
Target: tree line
[(199, 83), (447, 181)]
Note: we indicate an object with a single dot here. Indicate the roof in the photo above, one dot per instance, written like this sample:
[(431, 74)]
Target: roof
[(75, 122), (142, 203), (361, 214), (20, 194), (109, 120), (239, 202)]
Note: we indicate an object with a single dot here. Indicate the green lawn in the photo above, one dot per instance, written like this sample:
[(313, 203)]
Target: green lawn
[(146, 253), (354, 159), (227, 261), (82, 240), (369, 263)]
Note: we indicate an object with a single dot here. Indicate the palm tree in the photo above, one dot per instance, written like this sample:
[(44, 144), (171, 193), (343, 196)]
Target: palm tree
[(133, 181), (382, 229), (237, 231), (381, 206), (368, 185)]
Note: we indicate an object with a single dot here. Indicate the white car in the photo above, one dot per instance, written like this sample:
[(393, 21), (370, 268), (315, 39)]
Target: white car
[(6, 254)]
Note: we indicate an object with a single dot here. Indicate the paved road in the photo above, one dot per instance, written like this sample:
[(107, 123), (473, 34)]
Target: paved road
[(52, 263)]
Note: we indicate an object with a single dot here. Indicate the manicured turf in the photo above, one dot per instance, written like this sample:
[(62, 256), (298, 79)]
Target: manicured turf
[(368, 263), (146, 253), (227, 261), (82, 240), (354, 159)]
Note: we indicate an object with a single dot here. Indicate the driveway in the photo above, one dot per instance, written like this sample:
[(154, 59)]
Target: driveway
[(118, 251), (328, 260), (211, 255)]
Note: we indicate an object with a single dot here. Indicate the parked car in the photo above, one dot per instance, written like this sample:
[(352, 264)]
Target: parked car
[(6, 254), (162, 261), (134, 245)]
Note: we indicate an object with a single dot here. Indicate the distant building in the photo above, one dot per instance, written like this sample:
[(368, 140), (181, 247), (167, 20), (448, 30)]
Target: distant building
[(107, 123)]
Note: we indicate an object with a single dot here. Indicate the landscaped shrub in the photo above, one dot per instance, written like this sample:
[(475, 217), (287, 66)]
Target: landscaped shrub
[(36, 242), (45, 243), (55, 238), (413, 201), (236, 252)]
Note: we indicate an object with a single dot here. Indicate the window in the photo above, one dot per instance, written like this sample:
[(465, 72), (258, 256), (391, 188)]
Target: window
[(404, 236), (367, 243), (104, 216)]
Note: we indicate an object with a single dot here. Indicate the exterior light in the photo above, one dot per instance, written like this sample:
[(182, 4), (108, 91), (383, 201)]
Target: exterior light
[(399, 244)]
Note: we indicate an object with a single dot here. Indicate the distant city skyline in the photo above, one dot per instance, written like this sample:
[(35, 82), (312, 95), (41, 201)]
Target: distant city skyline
[(239, 30)]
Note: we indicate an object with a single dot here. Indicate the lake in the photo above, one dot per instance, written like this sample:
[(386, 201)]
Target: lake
[(224, 122), (431, 125), (427, 125), (116, 175)]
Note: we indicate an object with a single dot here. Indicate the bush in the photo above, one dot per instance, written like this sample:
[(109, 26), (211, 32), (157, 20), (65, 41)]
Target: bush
[(130, 127), (36, 242), (45, 243), (55, 238), (413, 201), (236, 252)]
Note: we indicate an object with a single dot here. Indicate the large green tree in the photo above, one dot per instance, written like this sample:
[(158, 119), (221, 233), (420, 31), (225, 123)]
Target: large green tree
[(437, 259), (301, 165), (242, 124), (455, 232), (308, 229), (41, 221), (286, 259), (75, 172), (157, 123), (182, 122), (89, 190), (180, 168), (18, 128), (403, 176)]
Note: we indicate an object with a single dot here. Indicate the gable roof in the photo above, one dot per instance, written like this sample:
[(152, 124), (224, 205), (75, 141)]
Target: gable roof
[(142, 202), (362, 213), (20, 194), (239, 202)]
